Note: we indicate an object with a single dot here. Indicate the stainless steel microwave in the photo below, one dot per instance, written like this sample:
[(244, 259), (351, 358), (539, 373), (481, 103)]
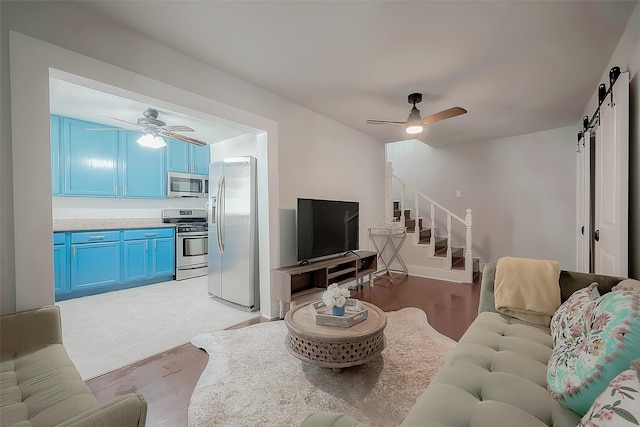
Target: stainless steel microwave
[(187, 185)]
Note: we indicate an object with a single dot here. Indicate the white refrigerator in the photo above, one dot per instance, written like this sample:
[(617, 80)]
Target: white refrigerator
[(233, 232)]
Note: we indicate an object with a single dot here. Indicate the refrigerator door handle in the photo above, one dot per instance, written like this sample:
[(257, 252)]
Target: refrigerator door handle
[(220, 214)]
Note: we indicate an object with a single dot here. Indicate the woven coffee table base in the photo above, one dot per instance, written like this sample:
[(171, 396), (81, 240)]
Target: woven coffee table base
[(338, 354)]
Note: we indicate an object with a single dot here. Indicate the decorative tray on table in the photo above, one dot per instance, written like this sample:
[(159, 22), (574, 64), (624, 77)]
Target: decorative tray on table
[(354, 313)]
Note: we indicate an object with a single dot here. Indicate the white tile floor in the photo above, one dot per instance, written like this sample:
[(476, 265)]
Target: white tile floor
[(107, 331)]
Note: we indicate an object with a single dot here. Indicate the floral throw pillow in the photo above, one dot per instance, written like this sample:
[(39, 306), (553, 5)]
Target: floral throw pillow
[(599, 343), (571, 309), (619, 403)]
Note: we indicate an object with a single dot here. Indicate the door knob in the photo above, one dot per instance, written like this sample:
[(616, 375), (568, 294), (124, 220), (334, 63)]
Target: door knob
[(597, 235)]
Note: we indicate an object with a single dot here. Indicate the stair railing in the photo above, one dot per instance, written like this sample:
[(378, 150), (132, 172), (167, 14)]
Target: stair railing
[(467, 221)]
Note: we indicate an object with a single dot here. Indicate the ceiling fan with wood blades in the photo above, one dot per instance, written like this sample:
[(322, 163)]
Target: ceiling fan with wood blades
[(414, 122), (149, 124)]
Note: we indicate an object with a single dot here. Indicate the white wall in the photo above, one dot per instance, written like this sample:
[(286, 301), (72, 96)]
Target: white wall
[(308, 154), (521, 190)]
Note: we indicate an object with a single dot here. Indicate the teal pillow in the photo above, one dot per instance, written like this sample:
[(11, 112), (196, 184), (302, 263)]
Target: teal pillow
[(595, 346)]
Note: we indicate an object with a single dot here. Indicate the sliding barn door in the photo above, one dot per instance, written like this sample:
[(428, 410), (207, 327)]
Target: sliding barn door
[(583, 204), (611, 247)]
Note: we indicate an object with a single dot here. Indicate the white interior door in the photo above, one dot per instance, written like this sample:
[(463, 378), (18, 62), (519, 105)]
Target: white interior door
[(611, 249), (583, 203)]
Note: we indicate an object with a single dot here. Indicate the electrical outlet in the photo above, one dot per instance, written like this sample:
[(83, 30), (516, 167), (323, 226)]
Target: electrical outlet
[(458, 193)]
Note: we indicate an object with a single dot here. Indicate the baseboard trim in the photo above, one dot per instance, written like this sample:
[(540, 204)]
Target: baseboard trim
[(456, 276)]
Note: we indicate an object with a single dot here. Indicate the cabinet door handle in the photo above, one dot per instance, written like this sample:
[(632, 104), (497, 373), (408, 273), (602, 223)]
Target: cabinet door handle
[(73, 251), (96, 237), (146, 245), (155, 244), (150, 234)]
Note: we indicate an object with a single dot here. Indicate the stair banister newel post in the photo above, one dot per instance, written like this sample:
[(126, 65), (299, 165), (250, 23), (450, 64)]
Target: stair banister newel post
[(468, 256), (416, 230), (402, 190), (388, 205), (432, 242), (449, 253)]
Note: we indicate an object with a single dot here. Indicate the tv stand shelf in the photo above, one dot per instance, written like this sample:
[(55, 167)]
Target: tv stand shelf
[(289, 284)]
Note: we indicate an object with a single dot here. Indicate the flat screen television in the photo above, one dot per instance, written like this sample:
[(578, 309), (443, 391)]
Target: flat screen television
[(326, 227)]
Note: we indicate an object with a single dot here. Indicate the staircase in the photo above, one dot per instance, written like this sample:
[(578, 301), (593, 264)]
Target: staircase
[(441, 259)]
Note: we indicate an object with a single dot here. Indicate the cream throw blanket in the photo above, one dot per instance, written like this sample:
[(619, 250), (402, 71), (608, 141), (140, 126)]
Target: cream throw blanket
[(527, 289)]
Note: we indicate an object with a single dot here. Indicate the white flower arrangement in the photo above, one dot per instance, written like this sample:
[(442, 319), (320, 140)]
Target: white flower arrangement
[(335, 296)]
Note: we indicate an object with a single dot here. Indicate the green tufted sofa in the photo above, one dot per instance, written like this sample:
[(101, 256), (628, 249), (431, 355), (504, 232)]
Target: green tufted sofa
[(40, 386), (496, 375)]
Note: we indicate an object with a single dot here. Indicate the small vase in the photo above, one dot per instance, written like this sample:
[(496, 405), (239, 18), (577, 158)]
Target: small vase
[(337, 311)]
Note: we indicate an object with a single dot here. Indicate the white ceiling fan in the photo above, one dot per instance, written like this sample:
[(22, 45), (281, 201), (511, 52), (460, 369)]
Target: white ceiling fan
[(154, 128)]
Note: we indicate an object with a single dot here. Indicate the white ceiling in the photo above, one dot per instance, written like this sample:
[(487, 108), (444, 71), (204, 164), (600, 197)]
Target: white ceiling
[(100, 106), (516, 66)]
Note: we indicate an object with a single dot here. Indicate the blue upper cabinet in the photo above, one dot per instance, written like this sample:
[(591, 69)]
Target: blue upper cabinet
[(200, 159), (177, 156), (56, 158), (187, 158), (104, 163), (143, 169), (91, 159)]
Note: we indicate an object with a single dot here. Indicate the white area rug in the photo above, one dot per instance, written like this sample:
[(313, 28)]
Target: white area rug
[(252, 380)]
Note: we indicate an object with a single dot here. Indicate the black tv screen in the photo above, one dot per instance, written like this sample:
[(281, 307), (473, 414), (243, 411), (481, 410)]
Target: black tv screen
[(326, 227)]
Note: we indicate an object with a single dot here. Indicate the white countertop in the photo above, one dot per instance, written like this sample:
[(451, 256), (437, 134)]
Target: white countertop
[(107, 224)]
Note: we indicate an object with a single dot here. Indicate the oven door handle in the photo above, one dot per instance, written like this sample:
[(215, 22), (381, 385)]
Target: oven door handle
[(220, 214)]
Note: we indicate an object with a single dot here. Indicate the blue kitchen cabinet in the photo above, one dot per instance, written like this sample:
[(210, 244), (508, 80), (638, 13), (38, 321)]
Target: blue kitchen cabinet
[(56, 155), (177, 156), (144, 173), (187, 158), (149, 253), (90, 159), (60, 263), (200, 159), (164, 256), (95, 259), (136, 260)]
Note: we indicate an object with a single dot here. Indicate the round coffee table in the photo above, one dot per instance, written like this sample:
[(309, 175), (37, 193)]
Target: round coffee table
[(331, 346)]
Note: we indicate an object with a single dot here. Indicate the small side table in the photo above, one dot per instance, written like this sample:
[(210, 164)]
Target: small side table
[(331, 346), (391, 238)]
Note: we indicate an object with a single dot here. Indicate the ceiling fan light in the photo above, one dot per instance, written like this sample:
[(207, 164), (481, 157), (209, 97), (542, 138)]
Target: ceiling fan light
[(151, 141), (414, 129), (158, 142)]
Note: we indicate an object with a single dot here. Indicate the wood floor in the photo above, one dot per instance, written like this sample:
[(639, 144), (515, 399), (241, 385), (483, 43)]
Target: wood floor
[(167, 380)]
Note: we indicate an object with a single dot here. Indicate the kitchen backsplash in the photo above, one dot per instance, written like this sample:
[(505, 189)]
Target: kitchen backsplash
[(86, 208)]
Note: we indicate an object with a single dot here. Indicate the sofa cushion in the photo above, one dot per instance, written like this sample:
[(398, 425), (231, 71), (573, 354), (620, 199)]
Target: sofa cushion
[(43, 389), (496, 375), (600, 343)]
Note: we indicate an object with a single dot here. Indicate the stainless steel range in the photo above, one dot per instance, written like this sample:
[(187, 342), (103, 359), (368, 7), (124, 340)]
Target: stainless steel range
[(191, 241)]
